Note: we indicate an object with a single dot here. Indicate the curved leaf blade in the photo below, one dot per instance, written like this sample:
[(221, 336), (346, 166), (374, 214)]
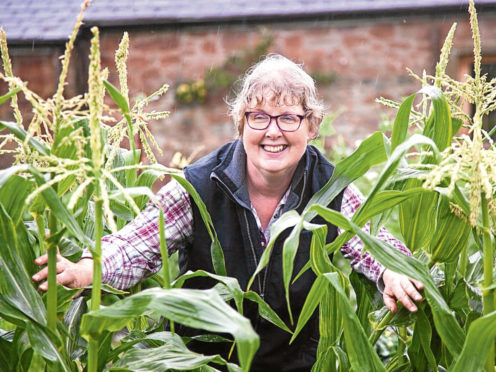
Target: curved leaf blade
[(21, 133), (201, 309)]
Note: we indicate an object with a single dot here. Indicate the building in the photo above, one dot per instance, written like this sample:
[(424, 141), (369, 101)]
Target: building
[(358, 50)]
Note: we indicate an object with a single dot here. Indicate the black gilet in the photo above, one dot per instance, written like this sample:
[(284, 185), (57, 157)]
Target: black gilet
[(219, 178)]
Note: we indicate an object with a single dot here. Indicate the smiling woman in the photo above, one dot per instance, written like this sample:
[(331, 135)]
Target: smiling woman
[(246, 186)]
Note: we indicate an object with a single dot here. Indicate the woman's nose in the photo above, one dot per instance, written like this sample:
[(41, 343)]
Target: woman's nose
[(273, 128)]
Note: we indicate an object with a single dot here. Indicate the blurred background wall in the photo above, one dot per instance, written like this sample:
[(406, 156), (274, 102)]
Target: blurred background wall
[(357, 51)]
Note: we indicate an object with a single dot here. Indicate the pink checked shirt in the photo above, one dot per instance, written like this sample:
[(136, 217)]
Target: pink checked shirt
[(133, 253)]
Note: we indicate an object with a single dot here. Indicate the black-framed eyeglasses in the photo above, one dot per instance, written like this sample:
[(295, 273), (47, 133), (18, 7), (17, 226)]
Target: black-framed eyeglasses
[(285, 122)]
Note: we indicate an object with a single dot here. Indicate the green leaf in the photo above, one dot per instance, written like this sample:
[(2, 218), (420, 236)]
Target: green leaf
[(44, 345), (59, 209), (21, 133), (313, 299), (9, 95), (201, 309), (400, 127), (6, 174), (479, 339), (8, 356), (117, 97), (215, 250), (13, 193), (172, 355), (370, 152), (16, 285), (444, 320), (231, 284), (11, 313), (288, 219), (422, 336), (360, 352), (439, 126), (399, 152), (417, 216), (450, 236), (266, 311), (146, 179), (72, 321), (383, 201)]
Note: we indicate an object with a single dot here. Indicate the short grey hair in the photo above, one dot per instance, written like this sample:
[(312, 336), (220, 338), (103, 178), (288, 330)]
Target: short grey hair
[(280, 81)]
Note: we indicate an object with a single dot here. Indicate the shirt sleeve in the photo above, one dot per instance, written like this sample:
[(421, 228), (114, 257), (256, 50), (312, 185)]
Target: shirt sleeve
[(352, 250), (133, 253)]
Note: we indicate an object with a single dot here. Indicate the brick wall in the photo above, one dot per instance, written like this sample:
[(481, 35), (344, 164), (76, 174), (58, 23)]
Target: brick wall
[(368, 58)]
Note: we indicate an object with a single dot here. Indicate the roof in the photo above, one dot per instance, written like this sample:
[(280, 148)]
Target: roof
[(26, 21)]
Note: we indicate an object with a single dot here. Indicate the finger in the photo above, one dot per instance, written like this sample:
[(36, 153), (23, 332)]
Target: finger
[(418, 284), (405, 299), (40, 275), (43, 286), (65, 278), (42, 260), (389, 302), (410, 289)]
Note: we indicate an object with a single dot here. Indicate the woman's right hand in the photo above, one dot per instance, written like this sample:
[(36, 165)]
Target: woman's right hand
[(70, 274)]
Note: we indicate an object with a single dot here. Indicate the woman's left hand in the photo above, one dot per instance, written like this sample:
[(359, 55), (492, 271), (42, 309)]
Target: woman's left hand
[(399, 287)]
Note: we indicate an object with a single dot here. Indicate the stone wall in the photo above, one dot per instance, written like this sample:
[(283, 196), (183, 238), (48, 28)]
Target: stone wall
[(367, 58)]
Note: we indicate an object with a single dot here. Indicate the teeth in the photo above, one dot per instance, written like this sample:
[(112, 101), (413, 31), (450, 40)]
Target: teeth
[(274, 148)]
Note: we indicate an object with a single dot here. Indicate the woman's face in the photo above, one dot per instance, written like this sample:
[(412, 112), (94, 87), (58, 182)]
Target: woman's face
[(271, 152)]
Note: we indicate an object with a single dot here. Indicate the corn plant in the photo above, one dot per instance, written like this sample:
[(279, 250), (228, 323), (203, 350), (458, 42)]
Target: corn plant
[(71, 183), (442, 185), (73, 179)]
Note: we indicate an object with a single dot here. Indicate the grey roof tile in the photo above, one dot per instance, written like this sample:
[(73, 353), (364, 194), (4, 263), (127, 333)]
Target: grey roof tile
[(26, 20)]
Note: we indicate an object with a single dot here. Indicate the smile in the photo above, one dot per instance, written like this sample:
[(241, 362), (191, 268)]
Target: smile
[(274, 148)]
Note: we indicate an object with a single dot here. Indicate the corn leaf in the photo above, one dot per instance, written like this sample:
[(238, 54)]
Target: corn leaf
[(450, 236), (13, 193), (172, 354), (44, 345), (72, 321), (439, 126), (21, 133), (201, 309), (370, 152), (287, 220), (420, 351), (9, 95), (11, 313), (117, 97), (16, 286), (417, 216), (447, 326), (400, 127), (360, 352), (397, 155), (215, 249), (319, 287), (231, 284), (266, 311), (479, 339), (59, 209)]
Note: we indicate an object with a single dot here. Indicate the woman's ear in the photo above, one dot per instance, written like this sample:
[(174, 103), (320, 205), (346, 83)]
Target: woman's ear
[(312, 133)]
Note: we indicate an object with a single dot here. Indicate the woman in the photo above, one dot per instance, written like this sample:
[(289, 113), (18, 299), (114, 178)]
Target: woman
[(246, 185)]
